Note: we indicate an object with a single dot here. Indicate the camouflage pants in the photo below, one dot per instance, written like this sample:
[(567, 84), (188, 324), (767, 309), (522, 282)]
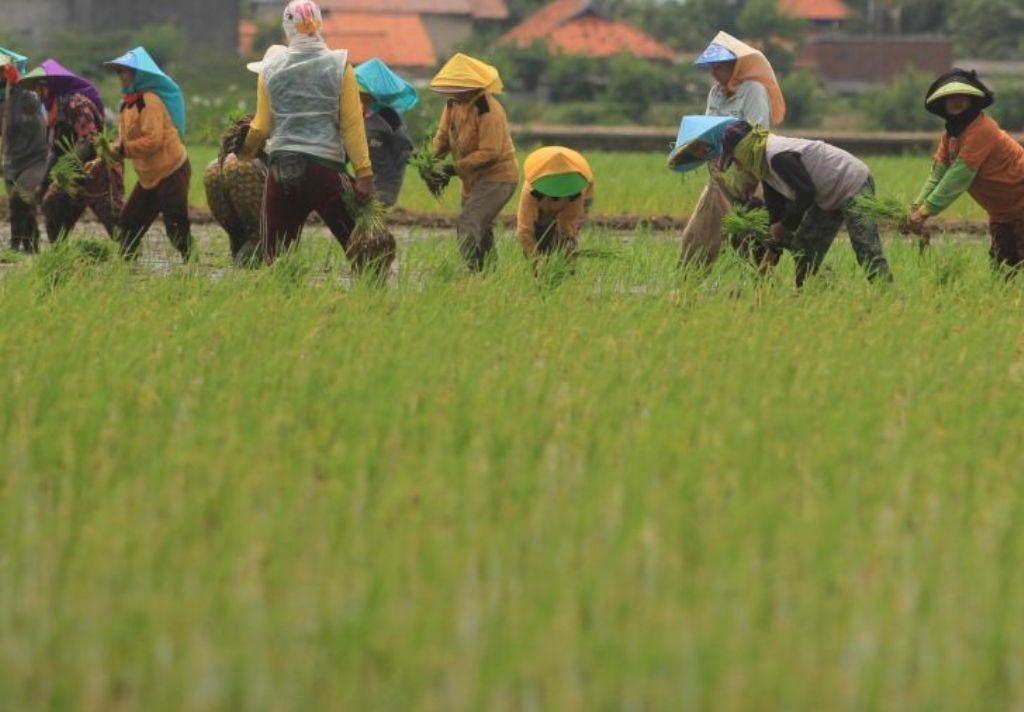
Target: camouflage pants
[(813, 240)]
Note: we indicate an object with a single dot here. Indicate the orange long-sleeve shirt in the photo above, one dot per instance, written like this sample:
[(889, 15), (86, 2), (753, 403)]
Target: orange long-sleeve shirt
[(353, 130), (478, 137), (150, 139)]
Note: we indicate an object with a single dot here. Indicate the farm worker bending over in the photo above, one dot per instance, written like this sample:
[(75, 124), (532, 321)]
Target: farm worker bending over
[(745, 88), (234, 187), (308, 115), (151, 125), (24, 150), (385, 97), (809, 190), (558, 189), (74, 112), (975, 156), (475, 132)]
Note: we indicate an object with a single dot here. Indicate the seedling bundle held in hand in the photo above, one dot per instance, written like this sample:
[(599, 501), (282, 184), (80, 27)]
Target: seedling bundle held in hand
[(69, 171), (103, 143), (890, 212), (371, 239), (431, 167), (746, 223)]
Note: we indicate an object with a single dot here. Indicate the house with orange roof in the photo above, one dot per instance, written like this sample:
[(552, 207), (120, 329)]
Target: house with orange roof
[(821, 14), (576, 27), (410, 35)]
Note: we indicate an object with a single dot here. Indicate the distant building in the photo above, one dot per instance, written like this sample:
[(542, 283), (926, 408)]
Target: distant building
[(412, 35), (820, 14), (214, 23), (576, 27), (860, 63)]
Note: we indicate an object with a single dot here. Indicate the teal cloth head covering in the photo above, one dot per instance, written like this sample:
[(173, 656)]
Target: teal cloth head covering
[(387, 88), (149, 77), (706, 129)]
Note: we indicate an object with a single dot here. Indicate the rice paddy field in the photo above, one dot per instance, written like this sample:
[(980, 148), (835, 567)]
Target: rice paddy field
[(623, 488)]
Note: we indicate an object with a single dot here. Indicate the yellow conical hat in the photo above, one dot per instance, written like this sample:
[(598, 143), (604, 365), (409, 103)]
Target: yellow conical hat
[(463, 73)]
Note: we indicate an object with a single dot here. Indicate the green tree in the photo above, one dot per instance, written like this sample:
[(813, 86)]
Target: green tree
[(899, 106), (634, 84), (988, 28), (523, 67), (571, 77)]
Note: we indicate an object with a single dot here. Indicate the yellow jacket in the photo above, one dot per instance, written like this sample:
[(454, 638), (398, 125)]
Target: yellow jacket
[(477, 135), (150, 139), (567, 215), (353, 130)]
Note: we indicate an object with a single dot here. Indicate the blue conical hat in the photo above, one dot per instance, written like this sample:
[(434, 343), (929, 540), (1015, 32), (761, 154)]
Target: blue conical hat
[(707, 129), (8, 56), (149, 77), (387, 88)]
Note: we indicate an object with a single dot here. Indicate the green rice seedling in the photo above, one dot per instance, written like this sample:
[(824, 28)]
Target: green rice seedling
[(430, 166), (889, 211), (232, 489), (746, 223), (53, 268), (371, 238), (371, 218), (103, 142), (69, 171)]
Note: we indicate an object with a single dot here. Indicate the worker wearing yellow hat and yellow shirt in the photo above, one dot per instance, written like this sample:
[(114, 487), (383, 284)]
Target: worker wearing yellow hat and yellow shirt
[(475, 131), (558, 190)]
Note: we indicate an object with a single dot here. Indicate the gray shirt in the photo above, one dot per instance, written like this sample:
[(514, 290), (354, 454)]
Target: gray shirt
[(750, 103), (836, 174), (25, 145), (390, 150)]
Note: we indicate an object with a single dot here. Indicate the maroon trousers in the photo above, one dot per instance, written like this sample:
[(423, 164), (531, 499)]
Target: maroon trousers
[(292, 193)]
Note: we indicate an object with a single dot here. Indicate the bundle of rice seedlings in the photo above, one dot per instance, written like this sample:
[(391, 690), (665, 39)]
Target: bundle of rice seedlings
[(69, 171), (743, 223), (889, 211), (103, 142), (892, 213), (373, 245), (430, 167)]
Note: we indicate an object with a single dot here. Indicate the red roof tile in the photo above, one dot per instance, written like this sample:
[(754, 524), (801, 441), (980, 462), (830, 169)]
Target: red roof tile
[(543, 22), (820, 10), (600, 37), (572, 27), (477, 9), (400, 40)]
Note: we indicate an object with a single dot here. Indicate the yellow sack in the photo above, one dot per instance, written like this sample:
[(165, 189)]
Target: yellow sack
[(463, 72)]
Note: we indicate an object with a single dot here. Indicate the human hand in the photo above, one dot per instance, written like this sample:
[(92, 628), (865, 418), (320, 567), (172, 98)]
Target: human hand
[(363, 189), (916, 221)]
